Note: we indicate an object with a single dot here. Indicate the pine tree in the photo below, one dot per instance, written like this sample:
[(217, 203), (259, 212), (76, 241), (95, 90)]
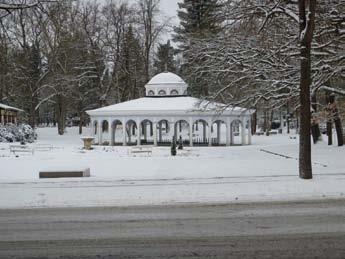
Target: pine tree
[(198, 19), (131, 76), (165, 58)]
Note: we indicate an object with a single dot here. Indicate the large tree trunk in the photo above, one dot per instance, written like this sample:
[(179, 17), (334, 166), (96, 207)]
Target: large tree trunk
[(329, 132), (306, 16), (61, 114), (254, 122), (339, 129)]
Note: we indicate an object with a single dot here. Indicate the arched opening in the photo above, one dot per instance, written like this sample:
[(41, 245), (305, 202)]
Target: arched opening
[(116, 133), (147, 132), (104, 138), (95, 126), (151, 93), (200, 128), (218, 134), (236, 131), (132, 132), (181, 131), (163, 133), (174, 92), (162, 93), (105, 126)]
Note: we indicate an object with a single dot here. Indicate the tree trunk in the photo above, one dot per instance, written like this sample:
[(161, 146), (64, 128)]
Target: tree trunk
[(254, 122), (269, 123), (334, 116), (306, 16), (61, 114), (288, 118), (80, 123), (339, 129), (315, 129)]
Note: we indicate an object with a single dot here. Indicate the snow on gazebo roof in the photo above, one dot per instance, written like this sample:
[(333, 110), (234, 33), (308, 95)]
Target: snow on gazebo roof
[(168, 106), (6, 107), (166, 78)]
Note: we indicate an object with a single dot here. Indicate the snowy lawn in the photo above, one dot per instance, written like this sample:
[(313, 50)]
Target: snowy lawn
[(198, 174)]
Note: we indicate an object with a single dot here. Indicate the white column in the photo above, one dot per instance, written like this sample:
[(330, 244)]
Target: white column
[(154, 125), (249, 131), (138, 132), (172, 129), (190, 132), (227, 131), (219, 124), (160, 130), (204, 124), (100, 133), (231, 133), (110, 132), (124, 133), (209, 132), (243, 132)]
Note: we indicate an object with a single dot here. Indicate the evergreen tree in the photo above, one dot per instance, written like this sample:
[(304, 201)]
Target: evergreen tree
[(164, 60), (131, 76), (198, 19)]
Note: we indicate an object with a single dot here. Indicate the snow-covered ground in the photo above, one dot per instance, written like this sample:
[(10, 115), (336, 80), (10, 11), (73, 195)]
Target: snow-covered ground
[(198, 174)]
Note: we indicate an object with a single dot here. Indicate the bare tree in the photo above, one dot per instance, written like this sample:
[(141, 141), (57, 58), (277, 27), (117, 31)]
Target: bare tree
[(151, 29)]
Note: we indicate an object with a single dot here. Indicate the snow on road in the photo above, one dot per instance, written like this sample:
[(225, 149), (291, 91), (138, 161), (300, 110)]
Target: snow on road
[(198, 174)]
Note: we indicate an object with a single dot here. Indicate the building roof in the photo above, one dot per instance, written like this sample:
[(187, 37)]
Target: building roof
[(6, 107), (183, 105), (166, 78)]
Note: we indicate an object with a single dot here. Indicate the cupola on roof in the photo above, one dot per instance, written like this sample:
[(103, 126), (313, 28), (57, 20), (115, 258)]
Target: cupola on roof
[(166, 83), (166, 78)]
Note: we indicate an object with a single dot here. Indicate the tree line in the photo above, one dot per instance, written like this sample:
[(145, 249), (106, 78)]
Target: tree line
[(270, 56), (61, 58)]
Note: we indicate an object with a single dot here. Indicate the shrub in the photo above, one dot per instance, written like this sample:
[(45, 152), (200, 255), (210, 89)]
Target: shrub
[(14, 133)]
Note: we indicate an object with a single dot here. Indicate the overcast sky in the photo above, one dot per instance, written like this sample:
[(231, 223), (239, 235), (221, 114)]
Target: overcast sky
[(168, 7)]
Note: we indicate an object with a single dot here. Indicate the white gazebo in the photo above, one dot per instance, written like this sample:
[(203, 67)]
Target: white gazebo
[(167, 112)]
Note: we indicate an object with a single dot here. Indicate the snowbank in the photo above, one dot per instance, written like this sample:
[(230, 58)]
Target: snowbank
[(198, 174)]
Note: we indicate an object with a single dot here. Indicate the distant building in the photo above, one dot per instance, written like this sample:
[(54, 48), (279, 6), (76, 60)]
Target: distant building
[(8, 114), (168, 112)]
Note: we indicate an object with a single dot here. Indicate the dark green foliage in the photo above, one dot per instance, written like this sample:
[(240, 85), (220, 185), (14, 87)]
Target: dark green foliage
[(198, 19), (131, 79), (164, 60)]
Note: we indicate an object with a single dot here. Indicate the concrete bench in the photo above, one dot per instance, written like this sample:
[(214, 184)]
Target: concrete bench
[(21, 149), (64, 173), (141, 150)]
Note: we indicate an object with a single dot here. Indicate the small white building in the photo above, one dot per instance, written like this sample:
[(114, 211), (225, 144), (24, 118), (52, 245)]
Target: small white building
[(168, 112)]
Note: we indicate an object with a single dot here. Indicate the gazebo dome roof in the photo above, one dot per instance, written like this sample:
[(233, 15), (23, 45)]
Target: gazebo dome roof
[(166, 83), (166, 78)]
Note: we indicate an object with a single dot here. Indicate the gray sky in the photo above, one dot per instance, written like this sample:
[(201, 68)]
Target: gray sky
[(170, 7)]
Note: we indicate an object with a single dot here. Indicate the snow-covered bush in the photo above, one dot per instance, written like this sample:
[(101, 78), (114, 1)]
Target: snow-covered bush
[(13, 133)]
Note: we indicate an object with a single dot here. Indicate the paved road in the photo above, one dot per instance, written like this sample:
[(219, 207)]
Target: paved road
[(266, 230)]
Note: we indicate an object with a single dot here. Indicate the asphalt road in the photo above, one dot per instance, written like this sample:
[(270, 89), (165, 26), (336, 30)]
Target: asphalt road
[(264, 230)]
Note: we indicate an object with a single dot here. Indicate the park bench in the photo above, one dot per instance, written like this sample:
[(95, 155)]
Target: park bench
[(43, 147), (65, 172), (21, 149), (141, 150)]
